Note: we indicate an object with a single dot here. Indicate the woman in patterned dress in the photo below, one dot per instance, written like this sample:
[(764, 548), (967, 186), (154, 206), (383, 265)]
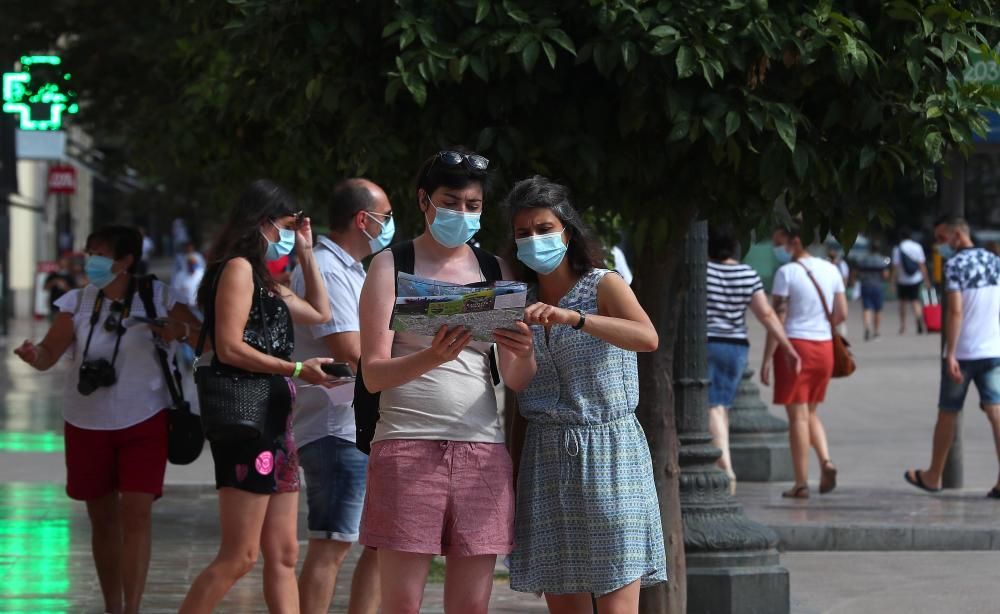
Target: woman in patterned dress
[(587, 519)]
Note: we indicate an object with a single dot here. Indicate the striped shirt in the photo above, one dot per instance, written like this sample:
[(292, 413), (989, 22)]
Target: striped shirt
[(730, 288)]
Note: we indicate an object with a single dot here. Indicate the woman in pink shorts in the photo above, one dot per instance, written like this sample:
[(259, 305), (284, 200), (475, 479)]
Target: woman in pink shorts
[(439, 476)]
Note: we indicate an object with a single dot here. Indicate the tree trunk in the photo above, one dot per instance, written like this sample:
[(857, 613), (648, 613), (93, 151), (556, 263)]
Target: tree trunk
[(658, 282)]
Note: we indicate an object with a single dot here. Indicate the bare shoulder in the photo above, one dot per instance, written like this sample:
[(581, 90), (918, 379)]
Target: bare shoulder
[(382, 260), (505, 269)]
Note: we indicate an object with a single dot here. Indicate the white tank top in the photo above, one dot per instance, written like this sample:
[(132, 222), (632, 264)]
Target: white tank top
[(454, 402)]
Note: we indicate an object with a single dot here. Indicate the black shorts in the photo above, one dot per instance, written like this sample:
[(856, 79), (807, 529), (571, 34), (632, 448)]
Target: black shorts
[(267, 465), (906, 292)]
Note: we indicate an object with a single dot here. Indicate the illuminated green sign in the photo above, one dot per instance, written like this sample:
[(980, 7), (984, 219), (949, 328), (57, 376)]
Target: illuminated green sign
[(37, 94)]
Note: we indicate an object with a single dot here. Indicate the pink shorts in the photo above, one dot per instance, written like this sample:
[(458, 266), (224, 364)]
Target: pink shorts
[(439, 497)]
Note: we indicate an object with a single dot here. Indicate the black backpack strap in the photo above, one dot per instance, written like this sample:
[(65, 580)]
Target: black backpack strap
[(145, 290), (488, 264)]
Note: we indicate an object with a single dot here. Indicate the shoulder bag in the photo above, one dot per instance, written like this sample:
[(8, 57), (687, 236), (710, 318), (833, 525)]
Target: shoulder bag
[(843, 361), (234, 403)]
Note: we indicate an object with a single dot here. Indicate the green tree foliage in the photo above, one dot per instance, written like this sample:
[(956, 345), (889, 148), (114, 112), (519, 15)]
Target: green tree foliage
[(655, 112)]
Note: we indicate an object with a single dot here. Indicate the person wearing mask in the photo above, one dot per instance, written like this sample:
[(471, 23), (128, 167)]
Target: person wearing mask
[(588, 518), (258, 480), (801, 308), (115, 406), (439, 476), (361, 223), (972, 344), (732, 287), (909, 271)]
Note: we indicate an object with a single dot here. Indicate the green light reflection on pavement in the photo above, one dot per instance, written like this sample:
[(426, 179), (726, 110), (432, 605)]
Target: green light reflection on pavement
[(34, 548), (31, 442)]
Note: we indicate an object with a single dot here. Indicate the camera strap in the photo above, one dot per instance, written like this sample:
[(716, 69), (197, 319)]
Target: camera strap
[(173, 379), (95, 316)]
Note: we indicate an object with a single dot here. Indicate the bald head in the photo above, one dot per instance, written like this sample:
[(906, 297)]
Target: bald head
[(351, 196)]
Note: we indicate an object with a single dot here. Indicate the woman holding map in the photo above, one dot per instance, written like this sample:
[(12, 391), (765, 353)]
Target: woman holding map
[(588, 521), (439, 476)]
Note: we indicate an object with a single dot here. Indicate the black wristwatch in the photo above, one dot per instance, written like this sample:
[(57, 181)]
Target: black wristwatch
[(583, 320)]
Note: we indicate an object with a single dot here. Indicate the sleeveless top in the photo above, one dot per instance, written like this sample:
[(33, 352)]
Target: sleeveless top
[(278, 338), (581, 380)]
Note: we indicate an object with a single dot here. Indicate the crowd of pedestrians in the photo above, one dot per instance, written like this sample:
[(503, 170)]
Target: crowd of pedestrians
[(577, 520)]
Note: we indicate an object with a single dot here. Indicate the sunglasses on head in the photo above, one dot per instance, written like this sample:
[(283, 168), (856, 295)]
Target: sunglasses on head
[(475, 162)]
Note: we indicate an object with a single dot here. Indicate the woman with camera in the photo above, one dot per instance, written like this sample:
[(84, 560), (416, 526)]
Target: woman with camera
[(258, 479), (115, 418)]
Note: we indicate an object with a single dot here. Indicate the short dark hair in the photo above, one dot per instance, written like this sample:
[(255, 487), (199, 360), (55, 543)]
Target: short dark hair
[(349, 197), (433, 174), (722, 242), (953, 221), (584, 251), (122, 240)]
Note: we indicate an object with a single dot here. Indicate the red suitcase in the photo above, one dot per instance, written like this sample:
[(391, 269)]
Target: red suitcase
[(932, 312)]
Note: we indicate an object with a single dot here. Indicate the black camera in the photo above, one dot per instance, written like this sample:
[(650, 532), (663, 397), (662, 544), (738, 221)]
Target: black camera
[(94, 374)]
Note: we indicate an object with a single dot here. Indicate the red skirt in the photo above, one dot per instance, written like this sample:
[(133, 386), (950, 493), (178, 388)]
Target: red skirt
[(809, 386)]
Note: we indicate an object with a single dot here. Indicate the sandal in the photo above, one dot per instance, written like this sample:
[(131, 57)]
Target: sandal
[(828, 477), (918, 480), (800, 491)]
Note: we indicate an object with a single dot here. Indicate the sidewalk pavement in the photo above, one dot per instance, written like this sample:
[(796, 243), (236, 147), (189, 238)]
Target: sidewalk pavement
[(879, 423)]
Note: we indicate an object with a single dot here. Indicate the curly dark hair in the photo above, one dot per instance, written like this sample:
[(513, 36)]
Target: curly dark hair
[(240, 236), (584, 251)]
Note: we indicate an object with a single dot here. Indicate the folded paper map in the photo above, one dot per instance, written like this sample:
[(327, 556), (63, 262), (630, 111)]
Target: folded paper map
[(423, 306)]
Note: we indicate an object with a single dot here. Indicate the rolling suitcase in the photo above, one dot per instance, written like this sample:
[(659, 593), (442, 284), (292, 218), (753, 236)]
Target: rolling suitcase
[(932, 310)]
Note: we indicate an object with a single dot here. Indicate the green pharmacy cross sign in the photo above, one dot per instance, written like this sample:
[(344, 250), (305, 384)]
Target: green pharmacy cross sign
[(35, 94)]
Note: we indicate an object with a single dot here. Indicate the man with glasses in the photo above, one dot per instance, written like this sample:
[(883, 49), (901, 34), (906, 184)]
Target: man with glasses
[(360, 219)]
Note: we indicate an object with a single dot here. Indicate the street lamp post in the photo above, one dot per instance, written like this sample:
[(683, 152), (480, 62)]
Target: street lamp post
[(758, 440), (732, 561)]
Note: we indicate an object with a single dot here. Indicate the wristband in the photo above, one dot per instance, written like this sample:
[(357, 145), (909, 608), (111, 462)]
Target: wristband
[(583, 320), (298, 369)]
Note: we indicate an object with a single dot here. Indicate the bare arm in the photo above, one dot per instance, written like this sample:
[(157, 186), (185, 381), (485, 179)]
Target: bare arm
[(52, 347), (954, 324), (766, 315), (345, 347), (233, 301), (381, 370), (927, 276), (315, 308), (839, 308)]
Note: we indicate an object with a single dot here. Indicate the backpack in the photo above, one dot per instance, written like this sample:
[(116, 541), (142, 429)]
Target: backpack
[(910, 266), (366, 403), (185, 439)]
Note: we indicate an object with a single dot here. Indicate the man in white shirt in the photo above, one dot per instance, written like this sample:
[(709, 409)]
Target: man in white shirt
[(909, 271), (972, 344), (808, 296), (360, 219)]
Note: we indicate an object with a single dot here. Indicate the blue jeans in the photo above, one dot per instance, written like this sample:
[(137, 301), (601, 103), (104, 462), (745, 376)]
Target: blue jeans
[(985, 372), (726, 364), (335, 473)]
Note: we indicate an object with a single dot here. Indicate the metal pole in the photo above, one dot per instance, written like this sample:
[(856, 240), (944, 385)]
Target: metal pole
[(8, 185), (732, 561)]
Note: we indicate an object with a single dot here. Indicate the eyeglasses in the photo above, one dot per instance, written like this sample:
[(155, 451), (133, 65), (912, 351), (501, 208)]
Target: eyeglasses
[(475, 162), (385, 215)]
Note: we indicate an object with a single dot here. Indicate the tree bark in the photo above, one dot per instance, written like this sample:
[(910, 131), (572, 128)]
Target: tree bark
[(658, 282)]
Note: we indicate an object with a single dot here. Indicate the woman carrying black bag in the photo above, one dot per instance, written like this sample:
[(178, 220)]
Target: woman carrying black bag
[(258, 478)]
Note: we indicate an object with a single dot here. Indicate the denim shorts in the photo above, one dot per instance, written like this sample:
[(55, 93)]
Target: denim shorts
[(726, 364), (335, 473), (985, 372), (872, 297)]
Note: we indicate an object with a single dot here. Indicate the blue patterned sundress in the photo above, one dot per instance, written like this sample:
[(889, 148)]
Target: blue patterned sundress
[(587, 519)]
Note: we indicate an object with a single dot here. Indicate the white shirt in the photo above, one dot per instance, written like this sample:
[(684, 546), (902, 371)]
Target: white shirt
[(319, 411), (975, 273), (806, 318), (914, 252), (140, 391)]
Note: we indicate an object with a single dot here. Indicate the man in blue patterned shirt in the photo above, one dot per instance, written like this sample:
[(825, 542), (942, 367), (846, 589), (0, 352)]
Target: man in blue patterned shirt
[(972, 343)]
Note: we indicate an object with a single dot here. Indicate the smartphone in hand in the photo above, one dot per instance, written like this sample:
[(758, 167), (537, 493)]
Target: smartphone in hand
[(338, 370)]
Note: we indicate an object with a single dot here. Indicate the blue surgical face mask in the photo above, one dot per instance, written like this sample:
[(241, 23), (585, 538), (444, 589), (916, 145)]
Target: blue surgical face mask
[(946, 250), (384, 238), (781, 254), (542, 253), (284, 245), (98, 270), (453, 228)]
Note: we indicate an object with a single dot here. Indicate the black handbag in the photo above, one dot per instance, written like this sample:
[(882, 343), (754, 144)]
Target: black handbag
[(234, 403), (184, 435)]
